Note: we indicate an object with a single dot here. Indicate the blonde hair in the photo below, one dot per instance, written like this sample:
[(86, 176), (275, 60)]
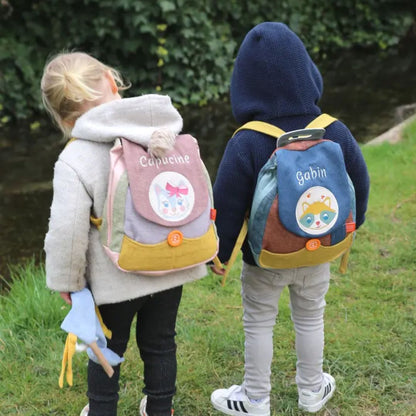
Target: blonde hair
[(70, 79)]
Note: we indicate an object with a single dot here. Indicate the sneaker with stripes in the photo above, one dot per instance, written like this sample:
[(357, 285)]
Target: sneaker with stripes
[(233, 401), (314, 401)]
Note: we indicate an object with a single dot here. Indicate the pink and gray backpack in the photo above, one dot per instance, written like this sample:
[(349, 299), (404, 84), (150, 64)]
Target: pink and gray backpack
[(158, 215)]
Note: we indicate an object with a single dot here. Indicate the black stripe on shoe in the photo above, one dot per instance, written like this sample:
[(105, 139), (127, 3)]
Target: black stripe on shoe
[(328, 389), (236, 405)]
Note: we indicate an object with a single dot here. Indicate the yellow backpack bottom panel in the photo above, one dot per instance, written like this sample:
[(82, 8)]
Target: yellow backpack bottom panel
[(304, 257), (163, 257)]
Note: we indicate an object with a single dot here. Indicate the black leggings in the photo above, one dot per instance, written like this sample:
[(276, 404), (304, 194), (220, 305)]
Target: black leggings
[(155, 336)]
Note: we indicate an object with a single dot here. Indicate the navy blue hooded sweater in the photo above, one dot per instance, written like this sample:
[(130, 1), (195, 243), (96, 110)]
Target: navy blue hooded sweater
[(274, 80)]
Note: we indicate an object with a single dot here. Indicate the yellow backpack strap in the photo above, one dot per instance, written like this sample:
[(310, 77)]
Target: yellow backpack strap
[(237, 247), (107, 332), (261, 127), (344, 261), (320, 122), (96, 221), (217, 262), (70, 141)]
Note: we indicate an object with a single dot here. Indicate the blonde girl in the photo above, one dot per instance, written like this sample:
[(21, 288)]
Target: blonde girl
[(82, 96)]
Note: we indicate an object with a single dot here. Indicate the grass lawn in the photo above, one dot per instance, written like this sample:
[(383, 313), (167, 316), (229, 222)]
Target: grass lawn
[(370, 324)]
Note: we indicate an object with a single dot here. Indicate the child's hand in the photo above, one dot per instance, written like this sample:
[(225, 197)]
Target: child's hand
[(216, 270), (66, 296)]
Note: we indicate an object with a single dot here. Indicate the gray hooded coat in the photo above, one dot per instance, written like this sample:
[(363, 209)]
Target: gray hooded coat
[(75, 257)]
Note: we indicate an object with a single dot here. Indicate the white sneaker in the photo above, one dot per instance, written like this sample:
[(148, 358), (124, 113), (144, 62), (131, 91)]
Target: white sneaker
[(233, 401), (313, 401), (143, 405), (85, 410)]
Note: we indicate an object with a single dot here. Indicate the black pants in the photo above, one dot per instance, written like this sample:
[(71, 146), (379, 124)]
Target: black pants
[(155, 336)]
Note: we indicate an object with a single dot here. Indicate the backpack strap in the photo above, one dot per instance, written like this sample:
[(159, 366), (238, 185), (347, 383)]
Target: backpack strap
[(217, 262), (261, 127), (70, 141), (97, 221), (320, 122)]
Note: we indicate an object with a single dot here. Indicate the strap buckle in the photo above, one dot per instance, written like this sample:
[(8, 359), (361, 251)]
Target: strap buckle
[(299, 135)]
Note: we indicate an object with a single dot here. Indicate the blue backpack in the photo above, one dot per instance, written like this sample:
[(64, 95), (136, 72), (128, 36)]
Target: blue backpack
[(303, 209)]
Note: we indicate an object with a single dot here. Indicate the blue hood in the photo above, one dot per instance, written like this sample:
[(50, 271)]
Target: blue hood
[(274, 76)]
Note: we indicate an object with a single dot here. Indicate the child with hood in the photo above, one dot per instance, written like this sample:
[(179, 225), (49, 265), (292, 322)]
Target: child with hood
[(82, 96), (274, 80)]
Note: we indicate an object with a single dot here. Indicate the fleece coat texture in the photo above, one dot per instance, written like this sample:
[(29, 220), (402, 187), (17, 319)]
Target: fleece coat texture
[(274, 80), (75, 257)]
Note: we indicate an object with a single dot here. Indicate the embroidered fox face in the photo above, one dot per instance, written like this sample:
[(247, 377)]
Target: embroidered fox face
[(318, 214), (317, 210)]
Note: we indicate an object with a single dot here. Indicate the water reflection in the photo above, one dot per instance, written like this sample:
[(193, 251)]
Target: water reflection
[(361, 90)]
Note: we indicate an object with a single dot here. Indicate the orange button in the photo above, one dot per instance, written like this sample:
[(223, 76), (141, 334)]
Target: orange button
[(312, 245), (175, 238)]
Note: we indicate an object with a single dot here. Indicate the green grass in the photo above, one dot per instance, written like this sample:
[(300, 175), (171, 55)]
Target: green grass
[(370, 324)]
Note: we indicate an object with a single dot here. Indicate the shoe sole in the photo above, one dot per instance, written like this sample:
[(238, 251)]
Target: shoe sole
[(232, 412), (227, 411)]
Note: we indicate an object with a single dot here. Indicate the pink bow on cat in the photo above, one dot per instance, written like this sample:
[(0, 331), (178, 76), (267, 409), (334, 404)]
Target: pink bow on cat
[(176, 190)]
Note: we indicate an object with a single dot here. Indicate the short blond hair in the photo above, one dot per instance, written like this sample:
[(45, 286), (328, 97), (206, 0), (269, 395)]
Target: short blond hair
[(69, 79)]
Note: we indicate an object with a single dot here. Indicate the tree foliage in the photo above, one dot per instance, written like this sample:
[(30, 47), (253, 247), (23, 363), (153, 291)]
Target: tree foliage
[(184, 48)]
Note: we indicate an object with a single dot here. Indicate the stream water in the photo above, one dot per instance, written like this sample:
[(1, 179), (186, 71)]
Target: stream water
[(365, 91)]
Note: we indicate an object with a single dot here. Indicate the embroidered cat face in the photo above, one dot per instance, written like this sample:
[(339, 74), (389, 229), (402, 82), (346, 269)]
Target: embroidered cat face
[(172, 198), (317, 211)]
